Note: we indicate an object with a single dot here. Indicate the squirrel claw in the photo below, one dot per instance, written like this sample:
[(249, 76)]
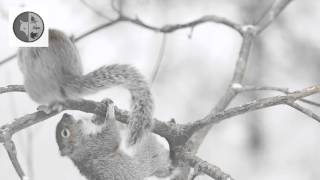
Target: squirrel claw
[(54, 107), (110, 111)]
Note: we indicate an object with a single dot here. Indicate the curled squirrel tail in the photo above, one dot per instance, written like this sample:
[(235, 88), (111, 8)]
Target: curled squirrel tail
[(127, 77)]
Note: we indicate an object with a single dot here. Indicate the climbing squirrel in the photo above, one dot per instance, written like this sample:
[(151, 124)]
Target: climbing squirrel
[(97, 153), (54, 74)]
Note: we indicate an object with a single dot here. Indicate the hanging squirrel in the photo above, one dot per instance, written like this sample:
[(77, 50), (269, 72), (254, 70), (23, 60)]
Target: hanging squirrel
[(97, 153), (54, 74)]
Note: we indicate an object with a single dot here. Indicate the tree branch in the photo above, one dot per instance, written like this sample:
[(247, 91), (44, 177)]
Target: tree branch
[(164, 29), (249, 32), (12, 88), (7, 59), (11, 149), (203, 166), (176, 134), (240, 89), (214, 118), (156, 67), (305, 111), (89, 6), (277, 7)]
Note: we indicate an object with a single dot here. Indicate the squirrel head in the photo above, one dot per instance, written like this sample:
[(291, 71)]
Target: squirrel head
[(80, 138), (68, 135)]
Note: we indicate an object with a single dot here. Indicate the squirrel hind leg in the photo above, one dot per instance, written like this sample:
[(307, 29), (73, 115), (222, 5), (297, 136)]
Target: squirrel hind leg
[(52, 107)]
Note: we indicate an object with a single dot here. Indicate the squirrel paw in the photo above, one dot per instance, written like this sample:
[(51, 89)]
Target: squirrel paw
[(53, 107)]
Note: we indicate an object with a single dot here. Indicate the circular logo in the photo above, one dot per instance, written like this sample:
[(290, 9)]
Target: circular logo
[(28, 26)]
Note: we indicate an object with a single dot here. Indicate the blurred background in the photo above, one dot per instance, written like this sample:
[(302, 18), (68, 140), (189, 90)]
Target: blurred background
[(277, 143)]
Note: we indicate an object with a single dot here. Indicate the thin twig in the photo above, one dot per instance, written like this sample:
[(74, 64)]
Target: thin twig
[(12, 88), (156, 68), (273, 13), (304, 110), (248, 36), (89, 6), (164, 29), (289, 99), (203, 166), (246, 88), (11, 149), (310, 102), (248, 32), (239, 88), (172, 133), (197, 139), (7, 59)]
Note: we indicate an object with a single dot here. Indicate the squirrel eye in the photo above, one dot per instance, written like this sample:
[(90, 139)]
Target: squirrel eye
[(65, 133)]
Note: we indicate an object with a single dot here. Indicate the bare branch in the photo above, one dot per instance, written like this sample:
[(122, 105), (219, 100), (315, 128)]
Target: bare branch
[(168, 131), (7, 59), (241, 89), (88, 106), (89, 6), (205, 167), (12, 88), (11, 149), (197, 139), (273, 13), (310, 102), (249, 32), (166, 28), (156, 68), (174, 133), (305, 111), (191, 24), (256, 105), (260, 88), (163, 29)]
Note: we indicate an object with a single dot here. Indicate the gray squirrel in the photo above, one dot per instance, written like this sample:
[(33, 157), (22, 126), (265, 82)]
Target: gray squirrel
[(93, 145), (54, 74)]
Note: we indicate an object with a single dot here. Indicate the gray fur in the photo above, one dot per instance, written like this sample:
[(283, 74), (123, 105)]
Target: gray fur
[(54, 74), (98, 156)]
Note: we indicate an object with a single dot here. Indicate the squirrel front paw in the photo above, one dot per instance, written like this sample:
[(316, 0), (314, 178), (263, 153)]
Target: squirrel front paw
[(110, 108), (53, 107)]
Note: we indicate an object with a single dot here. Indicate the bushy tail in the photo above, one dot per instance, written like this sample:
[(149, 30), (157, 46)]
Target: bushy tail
[(127, 77)]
